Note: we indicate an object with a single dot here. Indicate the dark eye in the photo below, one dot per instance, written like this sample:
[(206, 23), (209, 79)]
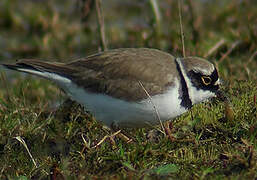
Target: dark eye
[(206, 80)]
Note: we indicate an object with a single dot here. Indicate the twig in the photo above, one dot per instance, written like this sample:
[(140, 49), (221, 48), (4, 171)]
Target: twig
[(234, 45), (101, 23), (155, 109), (105, 137), (215, 48), (157, 15), (181, 29)]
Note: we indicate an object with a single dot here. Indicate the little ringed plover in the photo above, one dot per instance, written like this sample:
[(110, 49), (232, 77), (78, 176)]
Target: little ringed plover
[(113, 84)]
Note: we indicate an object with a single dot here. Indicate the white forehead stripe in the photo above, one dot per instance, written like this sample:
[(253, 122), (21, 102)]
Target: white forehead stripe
[(206, 72)]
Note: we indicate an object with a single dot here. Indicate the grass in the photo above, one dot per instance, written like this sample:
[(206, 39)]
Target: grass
[(219, 142)]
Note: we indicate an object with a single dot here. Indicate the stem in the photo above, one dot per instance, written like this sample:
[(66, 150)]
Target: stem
[(157, 15), (181, 29), (100, 19)]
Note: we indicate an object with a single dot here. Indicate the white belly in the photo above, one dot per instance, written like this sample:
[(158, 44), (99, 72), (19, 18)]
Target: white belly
[(111, 110)]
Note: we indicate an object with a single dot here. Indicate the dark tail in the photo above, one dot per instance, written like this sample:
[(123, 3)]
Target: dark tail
[(38, 67)]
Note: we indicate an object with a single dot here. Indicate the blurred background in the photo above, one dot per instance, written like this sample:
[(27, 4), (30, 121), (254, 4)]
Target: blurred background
[(222, 31)]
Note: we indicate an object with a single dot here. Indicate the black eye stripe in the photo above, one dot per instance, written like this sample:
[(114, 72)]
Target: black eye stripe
[(214, 76), (196, 79)]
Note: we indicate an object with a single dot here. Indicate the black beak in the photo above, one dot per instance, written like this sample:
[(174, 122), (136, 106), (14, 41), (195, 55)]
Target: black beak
[(221, 96)]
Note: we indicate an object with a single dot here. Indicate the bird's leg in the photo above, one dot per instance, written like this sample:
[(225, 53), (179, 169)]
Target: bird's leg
[(168, 127)]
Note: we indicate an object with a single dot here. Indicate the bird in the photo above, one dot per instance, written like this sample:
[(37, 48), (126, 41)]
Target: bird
[(130, 87)]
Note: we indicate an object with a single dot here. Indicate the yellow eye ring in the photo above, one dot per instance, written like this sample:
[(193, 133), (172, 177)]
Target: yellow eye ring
[(206, 80)]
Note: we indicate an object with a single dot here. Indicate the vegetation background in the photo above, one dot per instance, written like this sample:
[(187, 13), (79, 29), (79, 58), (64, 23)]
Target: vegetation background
[(41, 137)]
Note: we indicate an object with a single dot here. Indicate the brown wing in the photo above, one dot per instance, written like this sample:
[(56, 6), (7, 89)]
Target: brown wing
[(118, 72)]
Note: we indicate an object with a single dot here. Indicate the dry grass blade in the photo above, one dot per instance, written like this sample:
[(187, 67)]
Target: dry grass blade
[(181, 29), (234, 45), (106, 137), (101, 23), (86, 144), (251, 58), (215, 48), (155, 109), (157, 15), (26, 147)]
